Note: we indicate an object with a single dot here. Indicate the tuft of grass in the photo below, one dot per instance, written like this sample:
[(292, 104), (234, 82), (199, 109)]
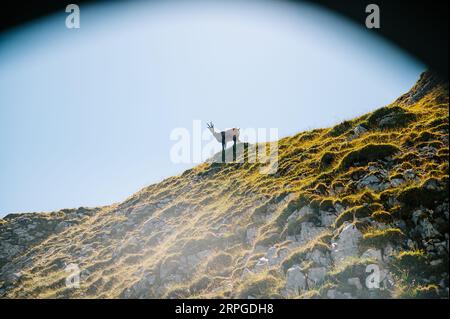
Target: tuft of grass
[(378, 238), (382, 217), (293, 205), (350, 268), (200, 284), (327, 159), (366, 154), (321, 243), (412, 263), (259, 286), (398, 117), (417, 292), (356, 212), (294, 226), (219, 262), (341, 128)]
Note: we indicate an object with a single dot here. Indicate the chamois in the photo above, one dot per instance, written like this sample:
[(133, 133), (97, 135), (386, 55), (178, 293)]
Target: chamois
[(224, 137)]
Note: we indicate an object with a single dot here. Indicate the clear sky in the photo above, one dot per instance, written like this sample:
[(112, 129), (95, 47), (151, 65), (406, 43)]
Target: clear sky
[(86, 114)]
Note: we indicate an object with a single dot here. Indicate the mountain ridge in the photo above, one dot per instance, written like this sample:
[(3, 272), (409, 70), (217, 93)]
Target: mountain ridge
[(371, 191)]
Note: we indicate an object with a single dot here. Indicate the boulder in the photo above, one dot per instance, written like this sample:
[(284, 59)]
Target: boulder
[(355, 281), (359, 130), (427, 229), (371, 181), (316, 276), (395, 182), (327, 219), (308, 232), (320, 258), (304, 211), (346, 244), (295, 280), (374, 254)]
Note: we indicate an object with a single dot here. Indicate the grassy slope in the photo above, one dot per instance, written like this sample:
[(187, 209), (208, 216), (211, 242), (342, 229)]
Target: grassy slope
[(211, 207)]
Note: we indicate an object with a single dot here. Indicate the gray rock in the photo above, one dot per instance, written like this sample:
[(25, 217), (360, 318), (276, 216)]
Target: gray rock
[(374, 254), (331, 294), (395, 182), (308, 232), (409, 174), (359, 130), (355, 281), (316, 276), (12, 278), (431, 184), (327, 219), (304, 211), (387, 120), (295, 280), (346, 244), (371, 181), (389, 252), (427, 230), (251, 235), (320, 258), (436, 262), (339, 208)]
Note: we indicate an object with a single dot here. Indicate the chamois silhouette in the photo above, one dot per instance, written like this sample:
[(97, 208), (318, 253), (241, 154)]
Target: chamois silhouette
[(224, 137)]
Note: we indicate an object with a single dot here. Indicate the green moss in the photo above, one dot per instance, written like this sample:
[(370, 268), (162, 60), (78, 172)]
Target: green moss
[(366, 154)]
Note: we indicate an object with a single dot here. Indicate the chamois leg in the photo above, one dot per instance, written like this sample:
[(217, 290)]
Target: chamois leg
[(234, 148), (223, 147)]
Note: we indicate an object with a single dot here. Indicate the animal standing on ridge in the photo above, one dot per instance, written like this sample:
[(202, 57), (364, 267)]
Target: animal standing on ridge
[(224, 137)]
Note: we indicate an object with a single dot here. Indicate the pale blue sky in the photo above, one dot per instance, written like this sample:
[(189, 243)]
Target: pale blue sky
[(85, 115)]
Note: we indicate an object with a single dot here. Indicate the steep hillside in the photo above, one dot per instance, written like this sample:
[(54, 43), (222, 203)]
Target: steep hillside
[(370, 194)]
